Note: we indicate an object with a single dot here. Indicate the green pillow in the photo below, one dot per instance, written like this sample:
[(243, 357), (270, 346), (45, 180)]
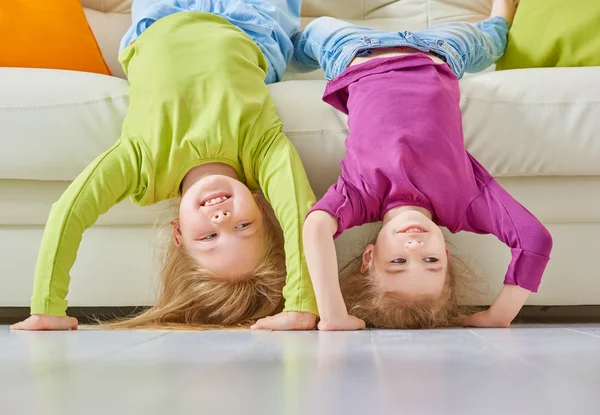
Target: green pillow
[(553, 33)]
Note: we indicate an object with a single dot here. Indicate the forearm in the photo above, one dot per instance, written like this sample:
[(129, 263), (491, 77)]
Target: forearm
[(56, 256), (322, 266), (105, 182), (283, 181), (495, 211), (508, 303)]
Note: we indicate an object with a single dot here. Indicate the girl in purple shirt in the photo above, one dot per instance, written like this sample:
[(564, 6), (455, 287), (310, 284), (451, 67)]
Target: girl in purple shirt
[(406, 165)]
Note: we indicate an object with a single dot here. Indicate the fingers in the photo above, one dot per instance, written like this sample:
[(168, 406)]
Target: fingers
[(471, 322), (18, 326), (359, 324), (262, 324), (474, 320), (37, 322), (322, 326), (286, 321), (278, 322), (73, 323), (483, 320), (355, 324)]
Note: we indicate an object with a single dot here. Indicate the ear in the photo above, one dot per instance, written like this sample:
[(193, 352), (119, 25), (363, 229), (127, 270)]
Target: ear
[(176, 233), (367, 258)]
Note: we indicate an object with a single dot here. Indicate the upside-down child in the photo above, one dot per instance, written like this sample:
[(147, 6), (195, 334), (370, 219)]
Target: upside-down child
[(201, 127), (406, 165)]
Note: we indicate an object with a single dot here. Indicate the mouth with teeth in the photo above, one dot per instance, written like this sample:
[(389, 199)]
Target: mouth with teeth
[(413, 229), (215, 199)]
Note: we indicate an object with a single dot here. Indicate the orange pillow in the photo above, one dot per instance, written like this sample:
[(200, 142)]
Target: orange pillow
[(48, 34)]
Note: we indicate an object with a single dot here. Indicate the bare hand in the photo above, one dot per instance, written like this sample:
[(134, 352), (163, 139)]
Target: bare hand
[(287, 320), (485, 319), (46, 322), (345, 323)]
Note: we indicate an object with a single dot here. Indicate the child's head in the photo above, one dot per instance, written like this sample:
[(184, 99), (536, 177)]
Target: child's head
[(405, 278), (409, 256), (223, 263), (222, 226), (197, 296)]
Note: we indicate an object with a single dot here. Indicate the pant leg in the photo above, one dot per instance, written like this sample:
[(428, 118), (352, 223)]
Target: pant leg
[(495, 33), (332, 44), (466, 47)]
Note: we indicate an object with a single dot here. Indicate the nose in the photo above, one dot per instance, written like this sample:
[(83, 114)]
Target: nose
[(412, 244), (220, 217)]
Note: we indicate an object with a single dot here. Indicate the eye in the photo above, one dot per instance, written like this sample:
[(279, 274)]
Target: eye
[(243, 226), (431, 260), (399, 261), (209, 237)]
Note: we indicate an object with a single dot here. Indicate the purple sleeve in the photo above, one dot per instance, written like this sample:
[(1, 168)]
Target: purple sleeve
[(340, 204), (496, 212)]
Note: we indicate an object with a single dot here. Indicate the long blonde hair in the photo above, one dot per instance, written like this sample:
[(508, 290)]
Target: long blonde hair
[(193, 298), (365, 300)]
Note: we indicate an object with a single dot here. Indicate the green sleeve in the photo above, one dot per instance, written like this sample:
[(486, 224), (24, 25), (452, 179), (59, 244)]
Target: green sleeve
[(106, 181), (283, 181)]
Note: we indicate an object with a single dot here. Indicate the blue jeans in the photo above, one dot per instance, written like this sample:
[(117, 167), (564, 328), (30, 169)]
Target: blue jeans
[(332, 44)]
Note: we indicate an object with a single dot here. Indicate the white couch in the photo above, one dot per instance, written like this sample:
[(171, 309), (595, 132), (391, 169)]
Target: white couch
[(537, 130)]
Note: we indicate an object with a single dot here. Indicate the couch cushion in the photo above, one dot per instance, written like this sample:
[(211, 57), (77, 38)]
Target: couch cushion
[(115, 266), (517, 123), (56, 122)]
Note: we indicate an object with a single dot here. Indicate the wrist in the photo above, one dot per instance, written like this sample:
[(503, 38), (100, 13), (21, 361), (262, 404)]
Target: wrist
[(332, 308), (500, 317), (336, 315)]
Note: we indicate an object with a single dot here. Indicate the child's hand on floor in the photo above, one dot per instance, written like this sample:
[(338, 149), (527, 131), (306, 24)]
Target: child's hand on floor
[(345, 323), (503, 310), (485, 319), (46, 322), (287, 320)]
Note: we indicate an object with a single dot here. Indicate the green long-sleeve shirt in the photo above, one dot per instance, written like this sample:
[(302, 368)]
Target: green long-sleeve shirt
[(197, 95)]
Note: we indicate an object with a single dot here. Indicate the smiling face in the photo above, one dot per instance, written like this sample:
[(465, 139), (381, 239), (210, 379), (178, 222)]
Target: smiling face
[(409, 257), (221, 225)]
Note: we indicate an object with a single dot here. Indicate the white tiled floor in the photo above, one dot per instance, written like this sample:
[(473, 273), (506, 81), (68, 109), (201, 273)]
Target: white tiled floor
[(523, 370)]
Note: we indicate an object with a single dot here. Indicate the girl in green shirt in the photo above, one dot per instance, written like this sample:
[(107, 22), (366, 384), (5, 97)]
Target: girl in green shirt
[(201, 126)]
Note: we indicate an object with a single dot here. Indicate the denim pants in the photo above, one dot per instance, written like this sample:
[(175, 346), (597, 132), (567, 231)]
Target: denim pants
[(332, 44)]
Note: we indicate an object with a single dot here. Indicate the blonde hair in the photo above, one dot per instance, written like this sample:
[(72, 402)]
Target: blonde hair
[(365, 300), (193, 298)]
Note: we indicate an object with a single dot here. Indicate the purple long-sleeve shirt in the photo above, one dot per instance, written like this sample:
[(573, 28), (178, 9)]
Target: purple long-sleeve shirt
[(406, 147)]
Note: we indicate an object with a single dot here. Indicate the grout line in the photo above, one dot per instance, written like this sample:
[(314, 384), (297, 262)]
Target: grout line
[(380, 370), (100, 357), (473, 332), (583, 332)]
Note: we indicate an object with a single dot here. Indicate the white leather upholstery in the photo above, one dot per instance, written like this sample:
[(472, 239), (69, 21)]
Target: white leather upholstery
[(538, 130)]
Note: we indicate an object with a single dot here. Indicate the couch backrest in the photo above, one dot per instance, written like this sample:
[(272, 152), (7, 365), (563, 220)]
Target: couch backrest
[(109, 19), (352, 9)]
